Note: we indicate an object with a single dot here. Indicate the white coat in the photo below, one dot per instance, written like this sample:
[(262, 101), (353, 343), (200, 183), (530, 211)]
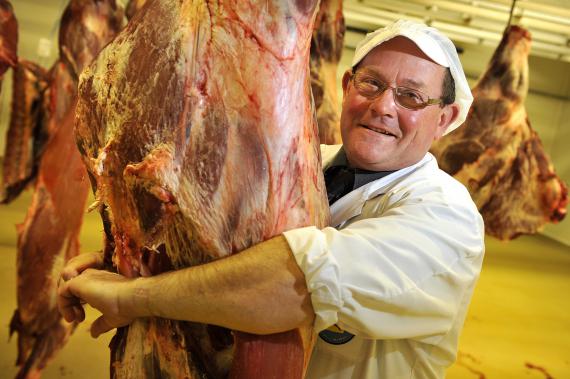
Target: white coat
[(397, 269)]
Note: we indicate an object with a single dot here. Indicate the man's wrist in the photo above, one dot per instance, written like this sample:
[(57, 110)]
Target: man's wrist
[(134, 301)]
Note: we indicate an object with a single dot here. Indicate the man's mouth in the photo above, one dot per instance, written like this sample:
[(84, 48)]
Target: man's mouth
[(378, 130)]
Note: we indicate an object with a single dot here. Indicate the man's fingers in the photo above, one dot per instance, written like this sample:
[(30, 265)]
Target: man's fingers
[(68, 303), (68, 273), (100, 326), (79, 313), (80, 263)]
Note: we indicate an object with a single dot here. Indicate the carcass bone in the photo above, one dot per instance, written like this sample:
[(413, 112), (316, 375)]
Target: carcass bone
[(199, 133), (498, 156), (49, 235)]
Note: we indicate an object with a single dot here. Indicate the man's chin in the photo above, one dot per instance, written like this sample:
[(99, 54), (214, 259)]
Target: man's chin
[(365, 161)]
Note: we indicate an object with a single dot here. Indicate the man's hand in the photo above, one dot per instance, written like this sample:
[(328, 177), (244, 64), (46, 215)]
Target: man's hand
[(102, 290), (80, 263), (73, 310)]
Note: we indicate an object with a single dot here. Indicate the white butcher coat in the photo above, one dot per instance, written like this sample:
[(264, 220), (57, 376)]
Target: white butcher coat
[(396, 269)]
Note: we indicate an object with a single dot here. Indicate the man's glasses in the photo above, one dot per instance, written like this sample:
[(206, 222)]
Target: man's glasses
[(371, 87)]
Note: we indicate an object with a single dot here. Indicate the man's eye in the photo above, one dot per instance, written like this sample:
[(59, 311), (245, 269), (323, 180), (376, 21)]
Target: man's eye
[(369, 82), (412, 95)]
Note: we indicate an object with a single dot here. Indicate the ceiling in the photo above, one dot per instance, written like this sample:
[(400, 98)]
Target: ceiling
[(472, 21)]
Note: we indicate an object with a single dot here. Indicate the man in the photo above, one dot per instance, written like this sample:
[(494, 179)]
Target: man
[(388, 286)]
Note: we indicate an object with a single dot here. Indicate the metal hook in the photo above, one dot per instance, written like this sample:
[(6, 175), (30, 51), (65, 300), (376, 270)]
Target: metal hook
[(511, 13)]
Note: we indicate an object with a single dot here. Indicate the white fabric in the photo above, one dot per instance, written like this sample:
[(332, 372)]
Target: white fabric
[(398, 273), (435, 45)]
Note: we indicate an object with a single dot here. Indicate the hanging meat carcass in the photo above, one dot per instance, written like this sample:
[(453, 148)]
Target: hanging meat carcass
[(8, 41), (26, 134), (8, 37), (200, 137), (498, 156), (326, 50), (49, 235)]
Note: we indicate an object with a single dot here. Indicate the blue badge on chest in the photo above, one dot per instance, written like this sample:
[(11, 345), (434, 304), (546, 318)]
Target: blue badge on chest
[(335, 336)]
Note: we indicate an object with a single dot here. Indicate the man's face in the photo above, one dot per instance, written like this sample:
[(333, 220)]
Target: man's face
[(381, 135)]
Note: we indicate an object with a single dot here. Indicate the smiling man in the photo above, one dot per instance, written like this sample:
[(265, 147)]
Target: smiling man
[(388, 285)]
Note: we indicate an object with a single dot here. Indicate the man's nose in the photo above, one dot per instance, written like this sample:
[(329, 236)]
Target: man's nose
[(385, 103)]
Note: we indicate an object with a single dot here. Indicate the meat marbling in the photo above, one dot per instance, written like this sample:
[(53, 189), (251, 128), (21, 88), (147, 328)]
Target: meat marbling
[(200, 140)]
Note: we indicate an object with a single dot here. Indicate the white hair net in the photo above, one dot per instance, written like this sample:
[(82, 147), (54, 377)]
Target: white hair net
[(435, 45)]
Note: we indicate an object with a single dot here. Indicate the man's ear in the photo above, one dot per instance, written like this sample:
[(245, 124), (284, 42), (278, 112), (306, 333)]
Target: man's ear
[(345, 80), (448, 115)]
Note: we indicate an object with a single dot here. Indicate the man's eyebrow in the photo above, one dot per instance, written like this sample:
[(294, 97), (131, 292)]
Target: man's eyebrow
[(413, 83), (408, 82)]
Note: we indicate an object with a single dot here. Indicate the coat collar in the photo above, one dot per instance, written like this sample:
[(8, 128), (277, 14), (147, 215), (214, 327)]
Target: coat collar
[(352, 203)]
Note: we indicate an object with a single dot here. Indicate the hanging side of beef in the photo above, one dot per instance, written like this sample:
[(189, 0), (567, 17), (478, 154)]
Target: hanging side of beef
[(326, 50), (8, 42), (200, 136), (498, 156), (49, 235), (8, 55), (26, 135), (8, 37)]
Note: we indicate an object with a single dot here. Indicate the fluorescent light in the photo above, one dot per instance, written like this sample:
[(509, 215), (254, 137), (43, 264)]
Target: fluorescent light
[(467, 31), (552, 39), (545, 25), (561, 50), (457, 37), (545, 54), (370, 21)]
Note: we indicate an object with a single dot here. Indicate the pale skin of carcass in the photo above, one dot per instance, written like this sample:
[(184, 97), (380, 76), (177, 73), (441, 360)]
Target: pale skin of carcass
[(378, 135)]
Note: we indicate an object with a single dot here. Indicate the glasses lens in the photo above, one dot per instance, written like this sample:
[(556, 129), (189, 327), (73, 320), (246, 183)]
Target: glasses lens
[(411, 98), (368, 86)]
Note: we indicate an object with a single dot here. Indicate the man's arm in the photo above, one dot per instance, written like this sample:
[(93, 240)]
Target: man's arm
[(260, 290)]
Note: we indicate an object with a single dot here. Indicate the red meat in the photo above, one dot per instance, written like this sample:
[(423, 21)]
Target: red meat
[(199, 134)]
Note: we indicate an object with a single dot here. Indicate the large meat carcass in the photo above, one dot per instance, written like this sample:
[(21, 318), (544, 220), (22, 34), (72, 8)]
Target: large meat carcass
[(49, 235), (200, 138), (498, 156), (8, 39), (29, 83), (326, 50)]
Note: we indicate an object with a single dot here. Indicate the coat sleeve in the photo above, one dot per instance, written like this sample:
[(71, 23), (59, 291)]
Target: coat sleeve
[(403, 274)]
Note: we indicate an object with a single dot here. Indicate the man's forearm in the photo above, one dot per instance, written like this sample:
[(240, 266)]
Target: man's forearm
[(260, 290)]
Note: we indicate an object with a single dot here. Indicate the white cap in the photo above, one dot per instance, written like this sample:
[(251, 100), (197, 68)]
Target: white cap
[(435, 45)]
